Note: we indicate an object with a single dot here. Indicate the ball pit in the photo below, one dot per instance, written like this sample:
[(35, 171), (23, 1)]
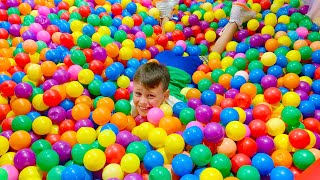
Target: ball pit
[(66, 72)]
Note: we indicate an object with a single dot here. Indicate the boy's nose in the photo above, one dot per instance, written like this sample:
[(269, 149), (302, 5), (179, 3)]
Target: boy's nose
[(143, 100)]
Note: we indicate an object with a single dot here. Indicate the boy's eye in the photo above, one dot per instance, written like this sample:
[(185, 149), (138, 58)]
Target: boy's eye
[(151, 96), (137, 94)]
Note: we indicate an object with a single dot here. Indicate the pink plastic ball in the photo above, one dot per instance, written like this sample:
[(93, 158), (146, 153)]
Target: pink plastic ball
[(240, 55), (74, 71), (130, 88), (43, 10), (140, 34), (302, 32), (43, 36), (248, 132), (182, 44), (35, 27), (195, 123), (12, 172), (154, 115)]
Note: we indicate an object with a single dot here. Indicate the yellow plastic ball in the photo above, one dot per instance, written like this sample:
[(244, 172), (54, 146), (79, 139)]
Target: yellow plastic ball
[(94, 159), (219, 14), (198, 14), (127, 20), (210, 36), (42, 125), (293, 55), (281, 141), (226, 62), (214, 55), (174, 144), (206, 6), (75, 36), (144, 130), (104, 30), (76, 25), (275, 126), (130, 163), (284, 19), (166, 109), (270, 19), (291, 99), (123, 81), (253, 24), (38, 104), (4, 145), (7, 158), (3, 99), (85, 76), (74, 89), (106, 138), (35, 58), (157, 137), (112, 171), (54, 129), (312, 139), (124, 3), (242, 114), (128, 43), (185, 20), (275, 7), (259, 98), (208, 16), (169, 26), (268, 59), (167, 157), (235, 130), (306, 79), (256, 7), (284, 41), (268, 30), (231, 46), (70, 2), (96, 37), (211, 173), (34, 72), (86, 135), (125, 53), (31, 172)]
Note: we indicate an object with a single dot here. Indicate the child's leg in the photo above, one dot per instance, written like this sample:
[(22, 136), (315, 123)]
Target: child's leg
[(165, 7), (314, 12), (225, 37)]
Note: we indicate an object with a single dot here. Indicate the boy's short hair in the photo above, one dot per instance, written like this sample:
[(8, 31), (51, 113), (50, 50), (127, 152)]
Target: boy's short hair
[(151, 75)]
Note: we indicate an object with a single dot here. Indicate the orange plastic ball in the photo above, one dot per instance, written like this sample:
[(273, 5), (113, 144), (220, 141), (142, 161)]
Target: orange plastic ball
[(315, 45), (214, 64), (106, 102), (30, 46), (193, 93), (146, 54), (19, 140), (282, 157), (249, 89), (48, 68), (4, 64), (271, 45), (224, 80), (169, 124), (112, 50), (80, 111), (70, 137), (137, 53), (101, 115), (197, 76), (131, 123), (120, 120), (21, 106), (299, 43), (85, 100), (291, 80)]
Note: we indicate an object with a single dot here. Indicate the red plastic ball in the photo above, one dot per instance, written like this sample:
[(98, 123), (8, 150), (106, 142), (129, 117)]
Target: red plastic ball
[(157, 29), (227, 102), (265, 4), (114, 153), (51, 29), (137, 19), (66, 125), (242, 100), (204, 68), (216, 110), (4, 110), (272, 95), (299, 138), (199, 38), (67, 61), (247, 146), (65, 16), (178, 35), (317, 74), (121, 93), (84, 11), (14, 19), (162, 40), (52, 98), (239, 160), (131, 37), (7, 88), (312, 124), (262, 111), (4, 33), (96, 66), (14, 69), (89, 54), (22, 59), (196, 30), (3, 15), (67, 40), (63, 5), (53, 138), (116, 9), (258, 128)]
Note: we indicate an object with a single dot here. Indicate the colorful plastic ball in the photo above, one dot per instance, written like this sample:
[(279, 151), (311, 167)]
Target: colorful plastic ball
[(200, 155), (159, 172), (186, 115), (154, 115), (106, 138), (299, 138), (157, 137), (5, 145), (246, 172), (247, 146), (193, 135), (211, 173), (291, 115), (73, 172), (227, 115), (152, 159), (265, 144), (222, 163), (31, 172), (302, 159), (112, 171), (235, 130), (47, 159), (55, 172), (174, 144), (263, 163), (281, 173), (275, 126), (182, 164), (307, 108), (63, 149), (24, 158), (21, 122), (94, 159), (19, 140)]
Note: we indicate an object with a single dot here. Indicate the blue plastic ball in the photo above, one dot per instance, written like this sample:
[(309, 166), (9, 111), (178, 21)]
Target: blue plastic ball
[(178, 50), (237, 82), (227, 115), (177, 108), (263, 162), (275, 70), (242, 47), (110, 126), (182, 164), (208, 97), (108, 89), (193, 135), (316, 56), (315, 98), (281, 173), (256, 75), (307, 108), (152, 159), (316, 86), (73, 172)]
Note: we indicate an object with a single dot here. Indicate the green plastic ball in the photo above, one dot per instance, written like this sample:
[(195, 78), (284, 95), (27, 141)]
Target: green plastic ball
[(137, 148), (222, 163), (306, 52), (55, 173), (248, 172), (78, 151), (159, 173), (200, 155), (187, 115), (123, 106), (94, 20), (240, 63), (255, 65), (21, 122), (47, 159), (232, 70), (302, 159), (78, 57), (294, 67), (204, 84), (215, 75), (106, 21), (291, 115), (84, 41), (252, 54), (120, 35), (94, 87)]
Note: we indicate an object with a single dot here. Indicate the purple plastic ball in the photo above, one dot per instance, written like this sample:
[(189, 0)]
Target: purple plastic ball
[(135, 29), (34, 136), (52, 45), (6, 134), (217, 88), (317, 114), (268, 81), (303, 95), (44, 21), (317, 145), (23, 90), (265, 144), (203, 113), (231, 54), (242, 34), (24, 158), (94, 45), (61, 76), (231, 93), (194, 103), (193, 19), (57, 114), (204, 25), (292, 10), (249, 116), (63, 149), (256, 41), (124, 138), (266, 37), (83, 123), (99, 53), (133, 176), (124, 28), (304, 9), (86, 92), (29, 35), (49, 83), (154, 51), (187, 32), (214, 132), (303, 86)]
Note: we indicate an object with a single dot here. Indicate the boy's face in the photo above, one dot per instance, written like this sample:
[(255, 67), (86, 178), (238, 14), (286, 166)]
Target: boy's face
[(144, 99)]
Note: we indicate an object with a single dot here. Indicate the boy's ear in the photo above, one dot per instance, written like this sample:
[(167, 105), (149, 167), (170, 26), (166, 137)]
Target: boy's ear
[(166, 94)]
